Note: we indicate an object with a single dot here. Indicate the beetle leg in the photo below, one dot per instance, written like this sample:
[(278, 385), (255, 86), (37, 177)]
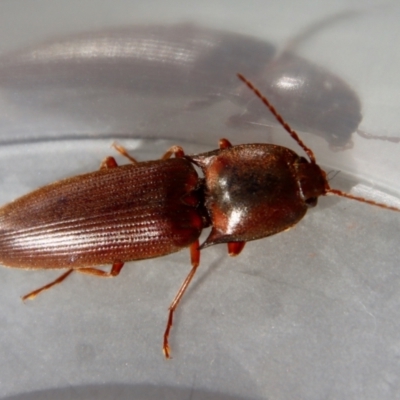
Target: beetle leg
[(176, 150), (122, 150), (235, 248), (32, 295), (195, 259), (173, 150), (224, 143), (108, 162), (115, 270)]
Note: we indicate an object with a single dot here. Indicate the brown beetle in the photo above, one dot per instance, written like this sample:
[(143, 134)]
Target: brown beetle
[(150, 209)]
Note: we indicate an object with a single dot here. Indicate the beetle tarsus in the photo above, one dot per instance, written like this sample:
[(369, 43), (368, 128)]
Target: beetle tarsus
[(166, 348)]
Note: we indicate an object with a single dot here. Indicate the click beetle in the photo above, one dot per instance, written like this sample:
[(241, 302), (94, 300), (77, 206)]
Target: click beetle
[(149, 209)]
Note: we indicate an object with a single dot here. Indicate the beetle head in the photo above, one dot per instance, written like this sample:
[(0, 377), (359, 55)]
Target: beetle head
[(312, 181)]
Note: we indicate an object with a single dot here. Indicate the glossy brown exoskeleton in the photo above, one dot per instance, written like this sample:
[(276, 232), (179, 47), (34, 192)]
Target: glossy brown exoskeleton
[(130, 212), (257, 190), (150, 209)]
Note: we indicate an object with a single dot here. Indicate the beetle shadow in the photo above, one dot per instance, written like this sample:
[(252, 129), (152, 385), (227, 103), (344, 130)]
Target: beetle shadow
[(123, 392), (212, 267)]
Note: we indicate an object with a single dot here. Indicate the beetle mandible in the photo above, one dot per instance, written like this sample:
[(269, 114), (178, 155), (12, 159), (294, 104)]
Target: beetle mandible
[(150, 209)]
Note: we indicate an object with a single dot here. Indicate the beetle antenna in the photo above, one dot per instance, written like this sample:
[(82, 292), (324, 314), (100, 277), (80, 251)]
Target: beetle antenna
[(336, 192), (279, 118), (295, 136)]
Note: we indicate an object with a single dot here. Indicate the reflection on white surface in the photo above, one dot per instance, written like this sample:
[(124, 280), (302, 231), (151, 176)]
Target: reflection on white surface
[(106, 48), (290, 83), (375, 194)]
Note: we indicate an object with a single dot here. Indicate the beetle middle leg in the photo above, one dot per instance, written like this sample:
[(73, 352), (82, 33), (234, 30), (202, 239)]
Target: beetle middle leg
[(109, 162), (195, 260), (122, 150), (115, 270), (173, 150)]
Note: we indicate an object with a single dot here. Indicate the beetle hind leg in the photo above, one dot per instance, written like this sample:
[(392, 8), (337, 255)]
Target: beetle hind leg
[(115, 270), (33, 294)]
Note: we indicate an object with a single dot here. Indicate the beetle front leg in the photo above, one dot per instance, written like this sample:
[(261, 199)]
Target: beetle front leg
[(235, 248), (195, 260)]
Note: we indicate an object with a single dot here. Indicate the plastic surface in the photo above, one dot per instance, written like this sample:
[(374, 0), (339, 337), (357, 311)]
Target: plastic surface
[(311, 313)]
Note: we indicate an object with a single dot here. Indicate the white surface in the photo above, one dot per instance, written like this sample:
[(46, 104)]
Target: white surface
[(311, 313)]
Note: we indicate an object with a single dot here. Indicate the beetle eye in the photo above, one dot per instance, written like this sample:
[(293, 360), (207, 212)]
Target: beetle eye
[(311, 202), (303, 160)]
